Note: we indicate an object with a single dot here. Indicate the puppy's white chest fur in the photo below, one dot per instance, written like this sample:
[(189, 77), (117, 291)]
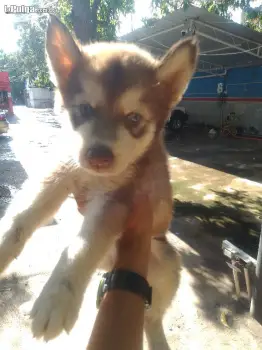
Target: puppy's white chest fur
[(95, 185)]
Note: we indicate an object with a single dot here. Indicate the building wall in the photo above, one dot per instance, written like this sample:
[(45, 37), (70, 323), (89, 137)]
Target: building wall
[(243, 88), (39, 98)]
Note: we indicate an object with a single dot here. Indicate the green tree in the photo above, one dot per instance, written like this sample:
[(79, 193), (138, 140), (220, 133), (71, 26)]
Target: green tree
[(253, 17), (32, 51), (98, 19), (164, 7), (3, 60), (89, 19), (11, 63)]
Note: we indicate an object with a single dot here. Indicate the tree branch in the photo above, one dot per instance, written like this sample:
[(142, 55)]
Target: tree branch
[(94, 20)]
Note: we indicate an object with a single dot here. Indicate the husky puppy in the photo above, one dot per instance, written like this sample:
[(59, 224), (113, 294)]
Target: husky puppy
[(118, 98)]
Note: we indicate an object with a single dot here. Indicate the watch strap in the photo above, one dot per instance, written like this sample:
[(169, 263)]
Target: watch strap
[(125, 280)]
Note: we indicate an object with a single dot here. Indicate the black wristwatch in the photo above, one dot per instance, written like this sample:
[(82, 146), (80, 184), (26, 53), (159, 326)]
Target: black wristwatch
[(124, 280)]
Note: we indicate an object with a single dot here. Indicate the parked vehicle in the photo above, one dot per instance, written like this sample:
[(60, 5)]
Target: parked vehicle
[(177, 119), (4, 125), (6, 102)]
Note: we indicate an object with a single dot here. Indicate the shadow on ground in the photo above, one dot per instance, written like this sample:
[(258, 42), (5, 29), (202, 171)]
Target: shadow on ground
[(14, 292), (12, 173), (233, 216), (201, 230), (13, 119), (202, 258), (239, 157)]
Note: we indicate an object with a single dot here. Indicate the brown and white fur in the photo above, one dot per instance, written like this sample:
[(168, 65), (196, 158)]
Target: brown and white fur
[(118, 98)]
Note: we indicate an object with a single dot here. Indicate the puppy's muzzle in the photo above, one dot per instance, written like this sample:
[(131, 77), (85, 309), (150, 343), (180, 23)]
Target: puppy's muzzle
[(100, 157)]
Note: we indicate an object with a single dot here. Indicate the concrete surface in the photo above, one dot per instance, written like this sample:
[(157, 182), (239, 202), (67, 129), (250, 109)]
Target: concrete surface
[(193, 321)]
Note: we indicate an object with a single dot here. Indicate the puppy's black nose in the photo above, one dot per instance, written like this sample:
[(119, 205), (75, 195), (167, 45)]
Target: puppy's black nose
[(100, 157)]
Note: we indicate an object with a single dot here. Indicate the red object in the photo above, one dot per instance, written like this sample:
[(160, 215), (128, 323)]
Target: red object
[(5, 86)]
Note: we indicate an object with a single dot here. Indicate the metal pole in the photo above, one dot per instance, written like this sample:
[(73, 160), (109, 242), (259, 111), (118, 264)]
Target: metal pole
[(161, 32), (236, 279), (238, 48), (248, 285), (256, 304), (211, 26)]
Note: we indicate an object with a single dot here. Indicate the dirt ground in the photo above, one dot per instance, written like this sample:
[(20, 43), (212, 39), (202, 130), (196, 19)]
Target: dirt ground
[(217, 187), (217, 195), (219, 184)]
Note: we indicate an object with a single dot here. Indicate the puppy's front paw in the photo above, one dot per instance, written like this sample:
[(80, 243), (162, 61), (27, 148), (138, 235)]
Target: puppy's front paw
[(55, 310), (11, 244)]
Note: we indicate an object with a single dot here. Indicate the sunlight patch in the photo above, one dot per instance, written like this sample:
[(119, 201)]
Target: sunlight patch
[(229, 189), (76, 248), (209, 197), (249, 182), (197, 187)]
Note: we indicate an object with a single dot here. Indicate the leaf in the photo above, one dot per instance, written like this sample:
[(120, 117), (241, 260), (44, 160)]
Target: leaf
[(222, 8)]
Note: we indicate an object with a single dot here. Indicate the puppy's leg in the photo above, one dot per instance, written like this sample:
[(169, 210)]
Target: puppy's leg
[(155, 335), (164, 275), (16, 231), (58, 305)]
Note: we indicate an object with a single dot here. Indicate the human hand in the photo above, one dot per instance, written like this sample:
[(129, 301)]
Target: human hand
[(140, 218), (133, 246)]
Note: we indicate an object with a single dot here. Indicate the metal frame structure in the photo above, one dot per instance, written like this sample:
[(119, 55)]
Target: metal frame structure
[(241, 262), (220, 39), (161, 32), (204, 66), (254, 48)]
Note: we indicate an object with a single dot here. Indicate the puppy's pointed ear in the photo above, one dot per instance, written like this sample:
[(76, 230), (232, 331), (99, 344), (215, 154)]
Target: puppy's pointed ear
[(62, 51), (177, 67)]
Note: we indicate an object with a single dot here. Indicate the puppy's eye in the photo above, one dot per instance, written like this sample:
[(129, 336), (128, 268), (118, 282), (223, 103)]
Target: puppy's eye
[(86, 110), (134, 118)]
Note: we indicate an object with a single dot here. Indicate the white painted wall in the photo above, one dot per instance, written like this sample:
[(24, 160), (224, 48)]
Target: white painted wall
[(40, 98), (209, 113)]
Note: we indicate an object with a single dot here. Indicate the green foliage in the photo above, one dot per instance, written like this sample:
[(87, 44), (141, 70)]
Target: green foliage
[(3, 60), (63, 11), (164, 7), (32, 50), (32, 42), (29, 62), (98, 19), (223, 8), (253, 17), (110, 12), (11, 63), (108, 15)]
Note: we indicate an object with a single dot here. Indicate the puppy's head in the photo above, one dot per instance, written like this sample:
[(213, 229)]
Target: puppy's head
[(117, 95)]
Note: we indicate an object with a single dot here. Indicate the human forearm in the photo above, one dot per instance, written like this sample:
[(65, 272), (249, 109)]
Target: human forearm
[(121, 313), (133, 254)]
